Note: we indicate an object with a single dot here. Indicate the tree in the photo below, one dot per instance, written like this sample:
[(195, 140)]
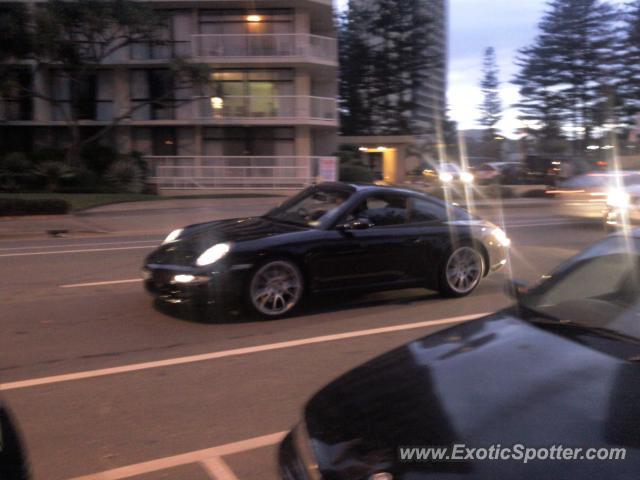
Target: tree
[(71, 41), (491, 107), (565, 74), (385, 55), (629, 84)]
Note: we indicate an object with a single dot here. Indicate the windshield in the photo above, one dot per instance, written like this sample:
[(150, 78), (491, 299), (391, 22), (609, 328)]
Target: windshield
[(599, 288), (309, 207)]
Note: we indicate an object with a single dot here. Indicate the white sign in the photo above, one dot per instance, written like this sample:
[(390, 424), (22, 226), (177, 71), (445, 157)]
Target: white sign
[(327, 169)]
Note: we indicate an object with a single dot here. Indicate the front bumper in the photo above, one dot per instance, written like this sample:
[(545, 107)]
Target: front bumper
[(185, 285)]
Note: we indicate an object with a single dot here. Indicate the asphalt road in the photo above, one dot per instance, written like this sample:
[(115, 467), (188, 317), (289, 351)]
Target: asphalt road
[(99, 379)]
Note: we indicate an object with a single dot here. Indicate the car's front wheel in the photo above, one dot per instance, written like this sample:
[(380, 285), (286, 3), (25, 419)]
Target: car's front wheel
[(461, 272), (275, 288)]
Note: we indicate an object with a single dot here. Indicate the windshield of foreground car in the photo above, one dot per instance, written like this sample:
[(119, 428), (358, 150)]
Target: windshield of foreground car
[(309, 207), (599, 288)]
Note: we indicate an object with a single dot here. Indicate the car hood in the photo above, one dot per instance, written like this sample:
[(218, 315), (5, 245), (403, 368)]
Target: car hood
[(498, 380), (195, 239)]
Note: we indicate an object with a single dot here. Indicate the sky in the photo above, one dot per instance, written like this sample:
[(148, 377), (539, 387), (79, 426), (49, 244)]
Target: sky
[(506, 25)]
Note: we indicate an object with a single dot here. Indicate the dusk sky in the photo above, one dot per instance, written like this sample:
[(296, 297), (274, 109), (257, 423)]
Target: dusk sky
[(506, 25)]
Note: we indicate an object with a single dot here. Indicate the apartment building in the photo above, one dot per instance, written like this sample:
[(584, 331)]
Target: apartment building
[(267, 118)]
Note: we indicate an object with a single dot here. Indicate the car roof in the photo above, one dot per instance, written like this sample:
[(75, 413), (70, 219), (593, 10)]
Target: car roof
[(370, 187)]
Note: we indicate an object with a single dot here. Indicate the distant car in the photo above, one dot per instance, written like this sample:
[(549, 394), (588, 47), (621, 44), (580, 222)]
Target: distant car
[(330, 237), (623, 207), (13, 458), (560, 368), (592, 195), (498, 173), (446, 174)]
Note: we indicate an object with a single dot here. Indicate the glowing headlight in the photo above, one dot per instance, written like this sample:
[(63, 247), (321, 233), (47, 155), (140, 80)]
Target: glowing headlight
[(446, 177), (618, 199), (173, 236), (213, 254), (501, 237), (466, 177)]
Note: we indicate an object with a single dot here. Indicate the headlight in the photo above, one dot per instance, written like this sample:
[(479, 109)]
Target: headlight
[(501, 237), (466, 177), (618, 199), (173, 236), (446, 177), (213, 254)]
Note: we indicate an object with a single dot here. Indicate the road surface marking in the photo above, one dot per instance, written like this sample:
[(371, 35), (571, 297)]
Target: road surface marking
[(95, 244), (58, 252), (95, 284), (218, 469), (229, 353), (186, 458)]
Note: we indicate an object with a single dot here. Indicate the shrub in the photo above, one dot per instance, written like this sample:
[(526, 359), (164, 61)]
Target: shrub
[(355, 173), (82, 181), (53, 173), (47, 155), (23, 206), (125, 176), (99, 158), (15, 172)]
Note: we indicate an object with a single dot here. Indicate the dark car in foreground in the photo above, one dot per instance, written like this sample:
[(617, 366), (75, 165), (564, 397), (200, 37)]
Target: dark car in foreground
[(330, 237), (13, 458), (560, 368)]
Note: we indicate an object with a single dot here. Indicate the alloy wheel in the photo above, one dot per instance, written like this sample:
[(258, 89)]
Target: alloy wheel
[(276, 288), (464, 270)]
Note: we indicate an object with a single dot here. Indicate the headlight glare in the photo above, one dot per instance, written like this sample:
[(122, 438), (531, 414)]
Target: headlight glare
[(466, 177), (213, 254), (446, 177), (618, 199), (173, 236), (501, 237)]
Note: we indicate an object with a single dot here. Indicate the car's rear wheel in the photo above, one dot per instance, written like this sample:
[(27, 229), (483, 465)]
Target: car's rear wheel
[(275, 288), (462, 271)]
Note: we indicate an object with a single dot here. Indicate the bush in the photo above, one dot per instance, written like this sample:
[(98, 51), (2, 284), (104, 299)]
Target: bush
[(355, 173), (15, 172), (23, 206), (82, 181), (99, 158), (48, 155), (125, 176), (53, 173)]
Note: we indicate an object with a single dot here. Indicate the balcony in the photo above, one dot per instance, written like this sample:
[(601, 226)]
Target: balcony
[(242, 48), (234, 172), (292, 108)]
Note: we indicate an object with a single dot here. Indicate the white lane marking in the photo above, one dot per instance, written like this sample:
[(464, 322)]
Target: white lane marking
[(542, 224), (95, 284), (230, 353), (186, 458), (218, 469), (58, 252), (96, 244)]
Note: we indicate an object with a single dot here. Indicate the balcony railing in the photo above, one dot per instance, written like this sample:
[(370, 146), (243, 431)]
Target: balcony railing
[(265, 107), (268, 45), (233, 172)]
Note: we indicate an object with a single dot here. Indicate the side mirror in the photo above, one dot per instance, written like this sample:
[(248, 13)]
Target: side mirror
[(515, 289), (357, 224)]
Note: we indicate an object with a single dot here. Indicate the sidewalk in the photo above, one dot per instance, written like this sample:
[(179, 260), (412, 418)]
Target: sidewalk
[(161, 216)]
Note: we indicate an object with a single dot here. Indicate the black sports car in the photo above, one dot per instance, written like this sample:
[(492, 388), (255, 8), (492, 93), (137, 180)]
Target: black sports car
[(333, 236), (13, 458), (560, 369)]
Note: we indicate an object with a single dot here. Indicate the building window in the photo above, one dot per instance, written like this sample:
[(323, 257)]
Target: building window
[(173, 41), (153, 94), (257, 141), (82, 97), (16, 102), (241, 22)]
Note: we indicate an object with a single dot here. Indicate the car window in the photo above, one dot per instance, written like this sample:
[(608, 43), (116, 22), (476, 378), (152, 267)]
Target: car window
[(425, 211), (381, 210), (309, 207)]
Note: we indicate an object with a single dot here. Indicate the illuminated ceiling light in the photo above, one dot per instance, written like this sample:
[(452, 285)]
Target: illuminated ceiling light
[(363, 149), (254, 18), (217, 103), (381, 149), (593, 147)]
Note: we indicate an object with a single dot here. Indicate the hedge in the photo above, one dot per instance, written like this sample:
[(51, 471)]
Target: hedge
[(22, 206)]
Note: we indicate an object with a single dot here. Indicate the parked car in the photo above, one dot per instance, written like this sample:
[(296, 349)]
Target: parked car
[(558, 368), (330, 237), (13, 458)]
